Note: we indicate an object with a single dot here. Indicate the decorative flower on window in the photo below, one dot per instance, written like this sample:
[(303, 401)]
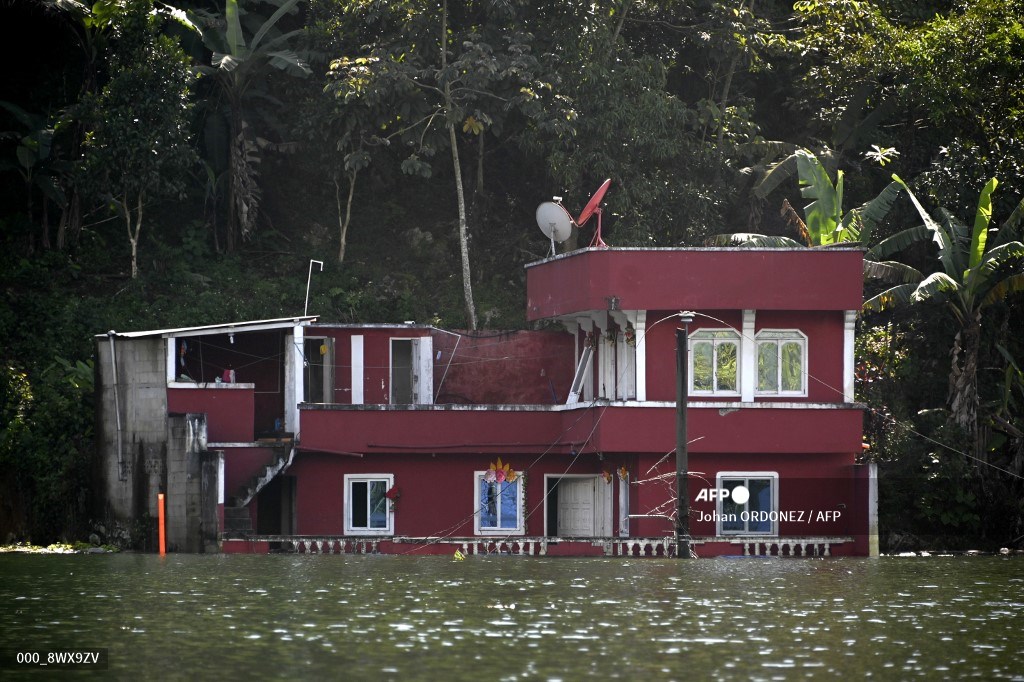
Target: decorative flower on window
[(623, 473), (629, 334), (607, 476), (500, 473), (394, 494), (590, 341), (611, 335)]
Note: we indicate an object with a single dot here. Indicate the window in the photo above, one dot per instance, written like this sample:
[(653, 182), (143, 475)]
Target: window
[(367, 507), (758, 515), (714, 362), (781, 362), (318, 367), (498, 506)]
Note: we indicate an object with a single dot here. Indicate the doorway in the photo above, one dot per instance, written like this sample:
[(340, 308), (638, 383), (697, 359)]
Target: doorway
[(578, 505)]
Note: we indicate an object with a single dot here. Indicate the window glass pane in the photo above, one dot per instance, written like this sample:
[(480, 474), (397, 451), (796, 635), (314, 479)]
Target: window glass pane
[(378, 504), (792, 366), (488, 504), (767, 367), (357, 503), (726, 366), (509, 505), (731, 511), (703, 354), (760, 501)]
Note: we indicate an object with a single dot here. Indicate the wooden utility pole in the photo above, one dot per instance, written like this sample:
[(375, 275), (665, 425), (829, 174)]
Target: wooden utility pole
[(682, 452)]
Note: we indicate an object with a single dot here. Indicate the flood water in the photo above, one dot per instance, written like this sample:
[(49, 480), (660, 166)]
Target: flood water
[(386, 617)]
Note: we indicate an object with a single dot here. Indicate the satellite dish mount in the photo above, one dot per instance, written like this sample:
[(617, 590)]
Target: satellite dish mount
[(594, 207), (556, 223)]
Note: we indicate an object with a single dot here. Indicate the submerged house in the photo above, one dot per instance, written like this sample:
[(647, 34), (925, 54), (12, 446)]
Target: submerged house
[(294, 434)]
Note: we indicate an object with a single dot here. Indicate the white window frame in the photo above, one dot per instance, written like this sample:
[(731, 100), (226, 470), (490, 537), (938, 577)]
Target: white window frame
[(773, 477), (733, 338), (327, 367), (520, 527), (389, 480), (778, 337)]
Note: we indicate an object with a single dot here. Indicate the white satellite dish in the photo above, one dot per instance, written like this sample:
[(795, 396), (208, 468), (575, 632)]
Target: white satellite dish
[(555, 222)]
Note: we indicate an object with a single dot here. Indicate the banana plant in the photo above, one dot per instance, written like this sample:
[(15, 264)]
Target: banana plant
[(980, 266), (242, 56), (825, 223)]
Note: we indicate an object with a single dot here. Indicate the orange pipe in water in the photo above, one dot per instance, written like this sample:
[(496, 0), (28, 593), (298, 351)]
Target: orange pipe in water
[(160, 522)]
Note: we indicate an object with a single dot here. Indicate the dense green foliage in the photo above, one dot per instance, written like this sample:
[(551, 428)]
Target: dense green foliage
[(406, 144)]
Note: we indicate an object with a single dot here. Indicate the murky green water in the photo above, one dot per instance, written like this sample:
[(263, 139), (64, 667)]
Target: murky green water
[(374, 617)]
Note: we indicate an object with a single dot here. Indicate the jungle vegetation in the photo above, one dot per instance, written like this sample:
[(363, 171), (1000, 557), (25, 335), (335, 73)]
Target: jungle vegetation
[(171, 164)]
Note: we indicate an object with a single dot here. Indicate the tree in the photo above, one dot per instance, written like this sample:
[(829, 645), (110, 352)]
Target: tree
[(238, 69), (824, 222), (980, 267), (430, 78), (37, 164), (138, 149)]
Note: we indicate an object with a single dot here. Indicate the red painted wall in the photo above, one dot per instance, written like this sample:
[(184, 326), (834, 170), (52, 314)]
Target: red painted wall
[(229, 411), (256, 358), (437, 492), (376, 358), (678, 279), (810, 483), (601, 428), (506, 368), (240, 466)]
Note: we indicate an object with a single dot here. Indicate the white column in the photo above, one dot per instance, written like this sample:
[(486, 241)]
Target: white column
[(748, 361), (849, 328), (295, 358), (640, 329), (872, 509), (172, 358), (358, 372)]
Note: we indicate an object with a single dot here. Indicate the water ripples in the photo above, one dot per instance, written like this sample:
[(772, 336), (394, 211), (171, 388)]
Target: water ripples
[(517, 618)]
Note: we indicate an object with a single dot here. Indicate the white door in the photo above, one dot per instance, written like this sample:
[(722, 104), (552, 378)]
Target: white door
[(576, 507)]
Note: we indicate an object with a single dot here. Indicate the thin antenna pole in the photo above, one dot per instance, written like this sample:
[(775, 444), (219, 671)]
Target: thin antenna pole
[(309, 277)]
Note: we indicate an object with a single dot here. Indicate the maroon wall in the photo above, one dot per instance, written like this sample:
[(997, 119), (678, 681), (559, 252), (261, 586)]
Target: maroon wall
[(228, 411), (678, 279), (505, 368)]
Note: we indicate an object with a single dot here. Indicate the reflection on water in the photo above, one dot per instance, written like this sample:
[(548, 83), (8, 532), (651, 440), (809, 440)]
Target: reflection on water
[(529, 618)]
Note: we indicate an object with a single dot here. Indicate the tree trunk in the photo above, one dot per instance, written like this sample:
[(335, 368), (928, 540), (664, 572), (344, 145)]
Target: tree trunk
[(460, 195), (133, 231), (963, 377), (343, 221)]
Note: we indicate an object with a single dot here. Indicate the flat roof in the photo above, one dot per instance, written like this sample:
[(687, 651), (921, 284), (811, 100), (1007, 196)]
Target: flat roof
[(244, 326)]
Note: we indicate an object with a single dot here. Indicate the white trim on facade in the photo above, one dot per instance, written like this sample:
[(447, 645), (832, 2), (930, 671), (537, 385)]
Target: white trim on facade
[(849, 362), (748, 358), (358, 372)]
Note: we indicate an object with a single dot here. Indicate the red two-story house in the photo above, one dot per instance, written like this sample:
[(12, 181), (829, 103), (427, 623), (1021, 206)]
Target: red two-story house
[(304, 436)]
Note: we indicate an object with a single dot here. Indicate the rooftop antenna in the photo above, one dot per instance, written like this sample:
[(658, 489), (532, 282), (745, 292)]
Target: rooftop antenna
[(308, 278), (554, 221), (594, 206)]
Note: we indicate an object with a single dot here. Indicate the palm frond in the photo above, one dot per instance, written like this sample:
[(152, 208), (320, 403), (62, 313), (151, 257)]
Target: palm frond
[(982, 217), (947, 249), (873, 212), (775, 176), (1003, 288), (893, 272), (899, 241), (933, 285), (996, 258), (890, 298), (1011, 227), (751, 240)]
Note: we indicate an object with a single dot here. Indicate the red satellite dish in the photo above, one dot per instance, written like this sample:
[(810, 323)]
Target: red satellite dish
[(594, 206)]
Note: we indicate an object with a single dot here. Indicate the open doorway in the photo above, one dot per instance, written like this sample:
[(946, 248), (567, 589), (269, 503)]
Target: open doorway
[(577, 505)]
